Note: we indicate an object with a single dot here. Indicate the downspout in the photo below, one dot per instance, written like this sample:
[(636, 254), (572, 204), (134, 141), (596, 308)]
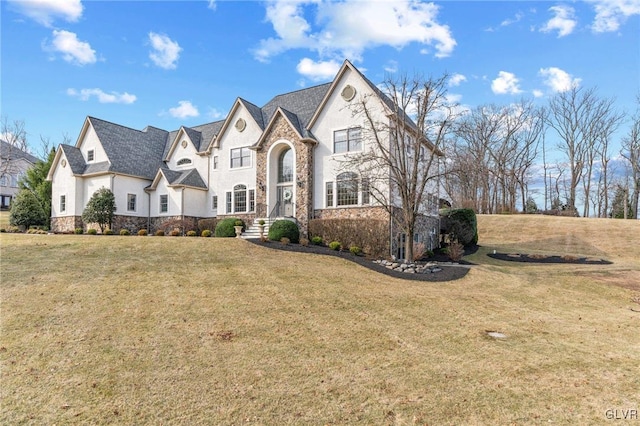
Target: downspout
[(148, 211), (113, 178), (182, 208)]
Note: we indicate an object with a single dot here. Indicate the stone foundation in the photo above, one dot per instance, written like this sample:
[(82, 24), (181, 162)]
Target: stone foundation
[(131, 223), (65, 224), (169, 223)]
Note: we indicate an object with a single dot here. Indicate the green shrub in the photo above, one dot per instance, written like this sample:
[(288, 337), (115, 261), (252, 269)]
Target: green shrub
[(335, 245), (355, 250), (261, 222), (191, 233), (92, 231), (284, 228), (225, 227), (78, 231), (461, 225), (159, 233), (108, 232), (175, 233), (238, 222), (317, 240), (143, 232), (429, 253), (206, 233), (125, 232)]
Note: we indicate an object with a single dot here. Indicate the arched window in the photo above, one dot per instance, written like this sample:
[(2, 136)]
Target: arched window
[(285, 166), (347, 189), (183, 161), (240, 198)]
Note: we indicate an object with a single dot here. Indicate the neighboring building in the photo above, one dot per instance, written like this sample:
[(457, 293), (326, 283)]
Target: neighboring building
[(278, 160), (14, 163)]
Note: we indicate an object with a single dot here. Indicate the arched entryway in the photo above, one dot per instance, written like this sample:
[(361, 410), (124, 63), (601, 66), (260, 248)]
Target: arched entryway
[(282, 180)]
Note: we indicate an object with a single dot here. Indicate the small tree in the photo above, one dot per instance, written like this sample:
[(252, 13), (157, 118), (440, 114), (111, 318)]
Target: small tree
[(26, 210), (35, 180), (100, 208)]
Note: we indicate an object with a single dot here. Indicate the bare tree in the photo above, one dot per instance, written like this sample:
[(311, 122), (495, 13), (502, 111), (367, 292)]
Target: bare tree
[(583, 121), (14, 135), (401, 162), (631, 152)]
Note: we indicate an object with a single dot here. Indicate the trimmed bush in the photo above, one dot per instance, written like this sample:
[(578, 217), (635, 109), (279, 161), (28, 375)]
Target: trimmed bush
[(335, 245), (125, 232), (461, 225), (285, 241), (206, 233), (304, 242), (225, 227), (92, 231), (284, 228), (261, 222), (175, 233), (108, 232), (78, 231), (317, 240), (159, 233), (355, 250), (192, 233), (207, 225), (143, 233)]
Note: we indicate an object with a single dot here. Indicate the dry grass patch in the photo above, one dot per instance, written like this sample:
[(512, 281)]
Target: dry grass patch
[(155, 330)]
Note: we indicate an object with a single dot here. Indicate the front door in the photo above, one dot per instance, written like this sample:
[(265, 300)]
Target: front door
[(285, 200)]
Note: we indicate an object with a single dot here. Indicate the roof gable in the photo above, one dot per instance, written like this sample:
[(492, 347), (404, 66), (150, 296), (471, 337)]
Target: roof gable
[(10, 152), (186, 178)]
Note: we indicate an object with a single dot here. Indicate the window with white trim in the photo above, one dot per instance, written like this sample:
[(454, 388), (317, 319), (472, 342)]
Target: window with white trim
[(214, 202), (131, 202), (63, 203), (215, 162), (329, 194), (240, 157), (164, 203), (240, 198), (347, 140), (229, 202), (252, 200), (347, 190), (90, 155)]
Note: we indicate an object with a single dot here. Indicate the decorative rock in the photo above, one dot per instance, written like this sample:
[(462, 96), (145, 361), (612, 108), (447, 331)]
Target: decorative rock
[(409, 271)]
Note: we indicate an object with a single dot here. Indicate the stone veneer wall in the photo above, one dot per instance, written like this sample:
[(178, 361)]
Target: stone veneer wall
[(131, 223), (304, 170), (65, 224), (424, 224), (163, 222)]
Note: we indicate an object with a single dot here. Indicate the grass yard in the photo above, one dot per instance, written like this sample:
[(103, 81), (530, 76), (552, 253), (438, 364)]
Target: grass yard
[(4, 219), (164, 330)]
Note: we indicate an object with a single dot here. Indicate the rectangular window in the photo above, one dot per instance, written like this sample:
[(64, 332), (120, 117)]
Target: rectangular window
[(347, 189), (252, 200), (131, 202), (3, 180), (90, 155), (229, 196), (240, 157), (215, 162), (347, 140), (366, 193), (63, 203), (164, 203), (214, 202), (329, 194)]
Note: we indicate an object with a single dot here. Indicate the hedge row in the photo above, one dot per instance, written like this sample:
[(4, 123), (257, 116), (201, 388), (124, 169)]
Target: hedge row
[(371, 235)]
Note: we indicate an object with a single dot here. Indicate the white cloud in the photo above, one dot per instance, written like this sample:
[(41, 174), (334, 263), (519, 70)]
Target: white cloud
[(558, 80), (165, 53), (511, 21), (103, 97), (73, 50), (345, 29), (46, 11), (538, 93), (505, 83), (215, 114), (563, 21), (318, 71), (184, 110), (212, 5), (610, 14), (391, 67), (456, 80)]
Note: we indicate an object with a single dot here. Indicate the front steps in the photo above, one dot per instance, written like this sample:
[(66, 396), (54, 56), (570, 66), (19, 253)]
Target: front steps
[(253, 230)]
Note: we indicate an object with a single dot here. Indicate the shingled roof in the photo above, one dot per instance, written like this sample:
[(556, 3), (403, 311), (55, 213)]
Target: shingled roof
[(74, 158), (10, 152), (130, 151)]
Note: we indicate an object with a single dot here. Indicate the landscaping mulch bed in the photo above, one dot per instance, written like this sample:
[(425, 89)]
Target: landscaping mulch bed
[(534, 258), (448, 273)]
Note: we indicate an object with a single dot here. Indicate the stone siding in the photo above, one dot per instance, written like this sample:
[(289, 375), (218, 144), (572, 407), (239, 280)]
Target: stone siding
[(131, 223), (169, 223), (66, 224)]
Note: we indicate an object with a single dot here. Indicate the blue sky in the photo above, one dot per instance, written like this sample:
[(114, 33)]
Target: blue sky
[(168, 64)]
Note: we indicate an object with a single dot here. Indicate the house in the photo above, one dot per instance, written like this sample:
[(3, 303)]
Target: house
[(278, 160), (14, 163)]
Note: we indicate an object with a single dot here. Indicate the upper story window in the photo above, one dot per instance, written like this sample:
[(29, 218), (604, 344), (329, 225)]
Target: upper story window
[(90, 155), (215, 162), (183, 161), (240, 157), (285, 166), (347, 140)]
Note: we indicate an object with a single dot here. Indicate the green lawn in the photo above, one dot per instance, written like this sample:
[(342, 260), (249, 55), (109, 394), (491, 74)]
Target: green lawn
[(174, 330), (4, 219)]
